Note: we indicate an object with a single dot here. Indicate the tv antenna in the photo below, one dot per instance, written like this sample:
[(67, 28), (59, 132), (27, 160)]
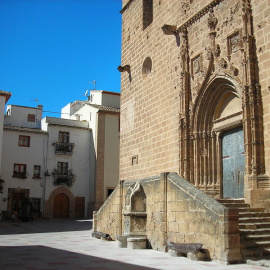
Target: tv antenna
[(36, 100), (94, 83)]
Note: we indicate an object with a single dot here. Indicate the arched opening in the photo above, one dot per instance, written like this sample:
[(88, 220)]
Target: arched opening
[(147, 67), (61, 206), (216, 117)]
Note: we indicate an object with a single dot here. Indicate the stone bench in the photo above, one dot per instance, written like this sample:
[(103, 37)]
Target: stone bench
[(121, 241), (136, 242), (192, 251)]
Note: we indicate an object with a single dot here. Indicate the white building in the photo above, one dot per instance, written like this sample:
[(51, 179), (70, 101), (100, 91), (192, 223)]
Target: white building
[(4, 97), (24, 153), (103, 115), (65, 166)]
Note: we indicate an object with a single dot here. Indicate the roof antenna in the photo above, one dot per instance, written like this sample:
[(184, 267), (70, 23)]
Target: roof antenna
[(87, 92), (94, 83), (36, 100)]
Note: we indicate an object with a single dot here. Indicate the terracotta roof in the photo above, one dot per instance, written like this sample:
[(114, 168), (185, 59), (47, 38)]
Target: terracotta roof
[(24, 129), (106, 108)]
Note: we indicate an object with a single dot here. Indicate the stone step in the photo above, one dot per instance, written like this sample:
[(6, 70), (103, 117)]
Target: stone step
[(255, 238), (254, 225), (231, 200), (254, 215), (254, 228), (247, 232), (255, 252), (261, 244), (256, 220), (236, 205), (248, 210)]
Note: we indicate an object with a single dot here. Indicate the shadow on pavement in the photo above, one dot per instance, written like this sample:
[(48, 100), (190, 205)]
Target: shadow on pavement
[(41, 257), (44, 226)]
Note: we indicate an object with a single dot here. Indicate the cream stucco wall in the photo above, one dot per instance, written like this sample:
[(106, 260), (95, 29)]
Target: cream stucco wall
[(111, 159), (17, 116), (33, 155), (79, 161)]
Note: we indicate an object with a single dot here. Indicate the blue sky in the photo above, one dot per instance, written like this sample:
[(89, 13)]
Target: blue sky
[(51, 49)]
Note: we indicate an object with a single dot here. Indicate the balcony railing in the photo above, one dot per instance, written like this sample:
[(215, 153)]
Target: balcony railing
[(64, 179), (64, 148), (21, 175)]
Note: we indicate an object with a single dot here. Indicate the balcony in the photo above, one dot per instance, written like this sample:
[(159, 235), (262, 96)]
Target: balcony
[(63, 179), (64, 148), (21, 175)]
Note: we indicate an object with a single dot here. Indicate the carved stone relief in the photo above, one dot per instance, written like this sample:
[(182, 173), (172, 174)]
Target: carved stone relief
[(212, 20), (196, 64), (234, 43)]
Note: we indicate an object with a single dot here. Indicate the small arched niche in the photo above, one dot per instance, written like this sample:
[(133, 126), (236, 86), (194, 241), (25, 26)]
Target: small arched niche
[(147, 67), (138, 201)]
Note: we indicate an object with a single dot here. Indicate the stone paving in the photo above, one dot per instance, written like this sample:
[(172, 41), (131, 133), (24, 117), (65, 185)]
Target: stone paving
[(67, 244)]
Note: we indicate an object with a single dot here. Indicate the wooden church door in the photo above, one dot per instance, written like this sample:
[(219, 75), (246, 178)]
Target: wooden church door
[(233, 158)]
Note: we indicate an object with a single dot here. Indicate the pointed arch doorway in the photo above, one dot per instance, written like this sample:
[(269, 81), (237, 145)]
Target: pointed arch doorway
[(218, 140)]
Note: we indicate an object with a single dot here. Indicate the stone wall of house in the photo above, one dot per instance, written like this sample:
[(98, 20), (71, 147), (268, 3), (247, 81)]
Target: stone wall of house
[(194, 217), (176, 211)]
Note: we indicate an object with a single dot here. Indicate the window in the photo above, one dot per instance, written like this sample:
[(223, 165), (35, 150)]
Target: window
[(36, 203), (63, 137), (36, 174), (31, 118), (62, 168), (24, 141), (147, 13), (109, 191), (19, 171)]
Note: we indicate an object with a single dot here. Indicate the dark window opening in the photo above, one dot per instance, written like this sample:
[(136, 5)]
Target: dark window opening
[(147, 13), (109, 191), (31, 118)]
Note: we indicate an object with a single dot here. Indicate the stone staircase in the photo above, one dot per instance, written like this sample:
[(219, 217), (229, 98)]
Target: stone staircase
[(254, 229)]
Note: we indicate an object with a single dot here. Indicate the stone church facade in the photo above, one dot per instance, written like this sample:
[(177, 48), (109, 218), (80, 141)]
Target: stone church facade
[(195, 102)]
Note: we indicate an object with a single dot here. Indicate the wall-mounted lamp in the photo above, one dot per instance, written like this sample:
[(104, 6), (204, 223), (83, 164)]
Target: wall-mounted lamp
[(124, 68), (47, 173)]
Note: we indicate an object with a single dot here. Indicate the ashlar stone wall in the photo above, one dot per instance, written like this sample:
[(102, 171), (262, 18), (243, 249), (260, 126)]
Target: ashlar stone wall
[(176, 211)]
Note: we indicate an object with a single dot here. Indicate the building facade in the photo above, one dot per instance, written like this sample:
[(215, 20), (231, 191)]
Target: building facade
[(195, 102), (51, 163), (4, 97)]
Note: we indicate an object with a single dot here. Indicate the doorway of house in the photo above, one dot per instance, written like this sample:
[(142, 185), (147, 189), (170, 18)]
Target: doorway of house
[(61, 206), (233, 163)]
